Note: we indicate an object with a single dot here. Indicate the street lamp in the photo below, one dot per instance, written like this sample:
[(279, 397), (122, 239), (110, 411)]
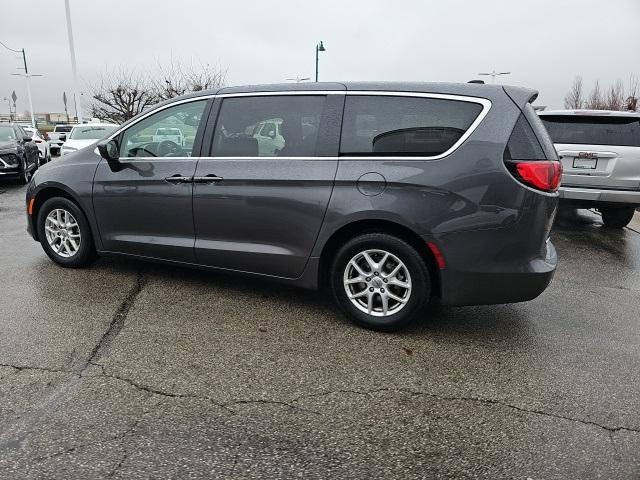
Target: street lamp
[(26, 75), (494, 74), (319, 48)]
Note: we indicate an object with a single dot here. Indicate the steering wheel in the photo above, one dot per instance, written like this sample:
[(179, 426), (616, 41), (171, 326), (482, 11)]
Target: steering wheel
[(167, 148)]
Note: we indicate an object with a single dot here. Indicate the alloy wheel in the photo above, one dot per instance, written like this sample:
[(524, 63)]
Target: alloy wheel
[(377, 282), (62, 232)]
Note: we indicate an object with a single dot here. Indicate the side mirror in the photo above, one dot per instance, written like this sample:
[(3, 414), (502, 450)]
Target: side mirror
[(62, 138), (26, 139), (109, 151)]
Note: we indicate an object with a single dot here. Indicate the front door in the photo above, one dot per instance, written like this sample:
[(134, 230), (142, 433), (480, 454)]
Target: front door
[(259, 200), (145, 207)]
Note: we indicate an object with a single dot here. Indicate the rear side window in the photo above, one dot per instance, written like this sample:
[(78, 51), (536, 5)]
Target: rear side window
[(523, 144), (387, 125), (595, 130), (248, 126)]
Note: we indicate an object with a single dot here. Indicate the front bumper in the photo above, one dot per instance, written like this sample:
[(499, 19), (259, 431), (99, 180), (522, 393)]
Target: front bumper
[(10, 172), (500, 286), (598, 195)]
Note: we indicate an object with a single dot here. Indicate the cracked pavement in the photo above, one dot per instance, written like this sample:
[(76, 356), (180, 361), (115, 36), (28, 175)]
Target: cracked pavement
[(131, 370)]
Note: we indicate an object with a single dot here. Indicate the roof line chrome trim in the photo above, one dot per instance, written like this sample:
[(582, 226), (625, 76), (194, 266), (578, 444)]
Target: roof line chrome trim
[(486, 106)]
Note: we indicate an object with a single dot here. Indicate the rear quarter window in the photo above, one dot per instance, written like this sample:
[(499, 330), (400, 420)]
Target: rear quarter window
[(593, 130), (387, 125)]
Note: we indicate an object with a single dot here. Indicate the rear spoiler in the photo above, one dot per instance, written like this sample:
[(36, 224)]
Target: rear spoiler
[(521, 96)]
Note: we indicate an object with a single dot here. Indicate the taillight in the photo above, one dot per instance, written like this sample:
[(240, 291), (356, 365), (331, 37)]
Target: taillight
[(544, 175)]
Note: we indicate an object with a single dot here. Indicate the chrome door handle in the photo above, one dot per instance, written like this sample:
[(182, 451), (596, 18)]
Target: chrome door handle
[(211, 178), (178, 179)]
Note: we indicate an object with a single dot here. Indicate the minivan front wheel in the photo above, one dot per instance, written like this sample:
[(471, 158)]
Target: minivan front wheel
[(380, 281), (617, 217), (64, 233)]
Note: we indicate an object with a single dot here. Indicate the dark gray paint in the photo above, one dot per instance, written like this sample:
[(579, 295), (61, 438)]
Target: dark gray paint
[(275, 216)]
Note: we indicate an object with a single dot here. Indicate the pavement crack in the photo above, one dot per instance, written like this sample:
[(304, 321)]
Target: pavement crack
[(162, 393), (117, 321), (485, 401), (20, 368), (224, 405)]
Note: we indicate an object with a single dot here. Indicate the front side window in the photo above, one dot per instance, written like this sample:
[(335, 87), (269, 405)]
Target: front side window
[(168, 133), (268, 126), (388, 125)]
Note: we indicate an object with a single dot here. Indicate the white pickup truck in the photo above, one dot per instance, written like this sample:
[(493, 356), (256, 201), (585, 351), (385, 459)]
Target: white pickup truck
[(55, 142), (170, 134)]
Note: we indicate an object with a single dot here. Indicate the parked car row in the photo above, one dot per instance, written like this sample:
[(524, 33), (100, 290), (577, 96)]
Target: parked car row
[(23, 149)]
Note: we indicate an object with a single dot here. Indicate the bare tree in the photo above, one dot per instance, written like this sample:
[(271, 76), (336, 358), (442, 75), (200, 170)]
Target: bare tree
[(121, 96), (615, 96), (177, 79), (631, 102), (573, 99), (595, 100)]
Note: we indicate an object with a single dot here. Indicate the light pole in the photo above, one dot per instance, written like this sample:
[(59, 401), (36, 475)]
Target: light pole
[(494, 74), (26, 75), (319, 48), (72, 52), (10, 112)]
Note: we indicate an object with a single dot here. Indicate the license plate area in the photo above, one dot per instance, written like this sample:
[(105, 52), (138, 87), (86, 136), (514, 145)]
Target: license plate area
[(585, 163)]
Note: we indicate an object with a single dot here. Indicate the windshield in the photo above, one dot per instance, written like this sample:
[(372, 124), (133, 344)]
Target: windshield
[(7, 134), (91, 132), (595, 130)]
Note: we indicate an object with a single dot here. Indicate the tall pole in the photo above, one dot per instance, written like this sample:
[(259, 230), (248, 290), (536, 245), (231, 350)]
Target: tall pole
[(26, 77), (319, 48), (72, 52)]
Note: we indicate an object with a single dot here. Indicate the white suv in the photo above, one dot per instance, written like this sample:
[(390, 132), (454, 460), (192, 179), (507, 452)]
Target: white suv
[(600, 154)]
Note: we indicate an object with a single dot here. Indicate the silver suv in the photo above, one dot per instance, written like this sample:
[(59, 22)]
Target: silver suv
[(600, 153)]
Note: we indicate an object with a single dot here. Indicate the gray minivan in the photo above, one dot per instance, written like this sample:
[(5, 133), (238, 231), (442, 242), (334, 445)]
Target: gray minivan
[(388, 193)]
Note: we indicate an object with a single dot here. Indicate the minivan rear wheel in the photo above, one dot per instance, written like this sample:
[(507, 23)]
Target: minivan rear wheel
[(617, 217), (64, 233), (380, 281)]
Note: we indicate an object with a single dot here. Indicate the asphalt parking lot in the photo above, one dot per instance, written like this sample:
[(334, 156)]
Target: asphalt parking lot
[(131, 370)]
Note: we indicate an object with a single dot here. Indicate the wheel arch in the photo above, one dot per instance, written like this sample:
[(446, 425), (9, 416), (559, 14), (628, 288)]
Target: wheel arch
[(359, 227), (52, 191)]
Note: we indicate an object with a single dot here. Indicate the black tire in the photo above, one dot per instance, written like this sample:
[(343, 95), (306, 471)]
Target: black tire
[(420, 281), (86, 252), (617, 217), (24, 175)]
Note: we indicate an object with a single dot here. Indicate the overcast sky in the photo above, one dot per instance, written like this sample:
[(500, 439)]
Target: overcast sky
[(544, 43)]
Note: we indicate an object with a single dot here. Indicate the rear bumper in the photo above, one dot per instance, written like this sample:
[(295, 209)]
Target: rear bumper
[(493, 287), (598, 195)]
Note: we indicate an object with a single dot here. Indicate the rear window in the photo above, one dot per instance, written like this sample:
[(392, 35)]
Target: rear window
[(63, 128), (387, 125), (594, 130)]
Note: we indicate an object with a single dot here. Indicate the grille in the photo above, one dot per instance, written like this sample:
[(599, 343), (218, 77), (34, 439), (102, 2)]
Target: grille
[(10, 159)]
